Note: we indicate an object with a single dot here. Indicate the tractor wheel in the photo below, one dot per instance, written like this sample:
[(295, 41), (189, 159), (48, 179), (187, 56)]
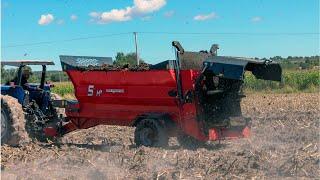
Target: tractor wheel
[(13, 122), (189, 142), (149, 132)]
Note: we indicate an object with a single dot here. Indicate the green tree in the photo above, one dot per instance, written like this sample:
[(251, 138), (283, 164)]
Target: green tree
[(123, 59), (55, 77), (7, 74)]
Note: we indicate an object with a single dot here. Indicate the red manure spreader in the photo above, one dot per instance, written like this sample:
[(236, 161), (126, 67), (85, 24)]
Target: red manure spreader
[(196, 96)]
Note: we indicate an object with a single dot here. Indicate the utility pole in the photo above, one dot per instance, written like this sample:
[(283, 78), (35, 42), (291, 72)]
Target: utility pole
[(59, 76), (136, 45)]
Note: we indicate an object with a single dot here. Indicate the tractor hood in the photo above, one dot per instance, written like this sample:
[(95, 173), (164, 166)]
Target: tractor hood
[(235, 67)]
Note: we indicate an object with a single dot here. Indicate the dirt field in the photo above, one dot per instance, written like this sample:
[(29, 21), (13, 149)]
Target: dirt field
[(284, 144)]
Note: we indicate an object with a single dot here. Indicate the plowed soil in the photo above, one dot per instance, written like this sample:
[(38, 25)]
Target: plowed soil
[(284, 144)]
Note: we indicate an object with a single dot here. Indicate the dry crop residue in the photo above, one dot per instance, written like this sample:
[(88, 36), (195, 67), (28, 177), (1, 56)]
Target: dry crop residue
[(284, 143)]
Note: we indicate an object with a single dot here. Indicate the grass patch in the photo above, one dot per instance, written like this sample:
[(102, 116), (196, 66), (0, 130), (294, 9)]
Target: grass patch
[(293, 81), (63, 88)]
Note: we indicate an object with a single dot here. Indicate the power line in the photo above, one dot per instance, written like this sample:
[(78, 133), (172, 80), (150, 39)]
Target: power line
[(169, 33), (231, 33)]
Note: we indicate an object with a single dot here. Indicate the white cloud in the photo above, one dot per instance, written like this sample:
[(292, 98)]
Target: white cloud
[(116, 15), (169, 14), (73, 17), (148, 6), (203, 17), (45, 19), (256, 19), (139, 8)]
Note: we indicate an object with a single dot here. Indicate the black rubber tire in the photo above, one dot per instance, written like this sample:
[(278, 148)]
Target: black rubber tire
[(150, 127), (14, 118), (189, 142)]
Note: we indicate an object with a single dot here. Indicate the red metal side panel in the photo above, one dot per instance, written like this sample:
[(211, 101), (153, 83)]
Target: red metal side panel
[(189, 122), (122, 95), (188, 79)]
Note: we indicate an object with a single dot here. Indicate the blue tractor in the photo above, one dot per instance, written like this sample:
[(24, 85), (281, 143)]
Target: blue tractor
[(26, 108)]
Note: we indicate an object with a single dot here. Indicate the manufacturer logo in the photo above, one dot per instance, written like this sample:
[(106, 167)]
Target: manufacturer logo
[(115, 90), (87, 61)]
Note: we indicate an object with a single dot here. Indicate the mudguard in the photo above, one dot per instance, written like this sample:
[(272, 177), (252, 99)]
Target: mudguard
[(14, 91)]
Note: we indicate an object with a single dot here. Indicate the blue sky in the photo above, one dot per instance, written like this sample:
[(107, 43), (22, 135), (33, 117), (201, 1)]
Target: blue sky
[(33, 21)]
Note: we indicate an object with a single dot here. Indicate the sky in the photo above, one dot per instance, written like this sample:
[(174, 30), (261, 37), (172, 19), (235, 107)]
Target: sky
[(45, 29)]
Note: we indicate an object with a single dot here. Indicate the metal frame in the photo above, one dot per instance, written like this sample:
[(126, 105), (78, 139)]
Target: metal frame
[(19, 63), (178, 50)]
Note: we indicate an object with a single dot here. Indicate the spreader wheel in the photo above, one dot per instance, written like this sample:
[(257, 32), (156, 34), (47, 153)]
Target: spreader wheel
[(149, 132)]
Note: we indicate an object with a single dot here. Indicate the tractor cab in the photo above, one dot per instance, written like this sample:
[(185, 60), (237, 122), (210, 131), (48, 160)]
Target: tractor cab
[(25, 91)]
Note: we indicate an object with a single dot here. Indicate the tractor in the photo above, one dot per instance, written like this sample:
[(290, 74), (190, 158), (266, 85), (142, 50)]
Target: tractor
[(26, 107)]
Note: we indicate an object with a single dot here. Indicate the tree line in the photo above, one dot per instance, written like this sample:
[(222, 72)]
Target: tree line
[(297, 62)]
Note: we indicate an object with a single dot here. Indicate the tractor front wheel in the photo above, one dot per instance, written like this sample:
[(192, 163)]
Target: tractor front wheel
[(13, 122), (149, 132)]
